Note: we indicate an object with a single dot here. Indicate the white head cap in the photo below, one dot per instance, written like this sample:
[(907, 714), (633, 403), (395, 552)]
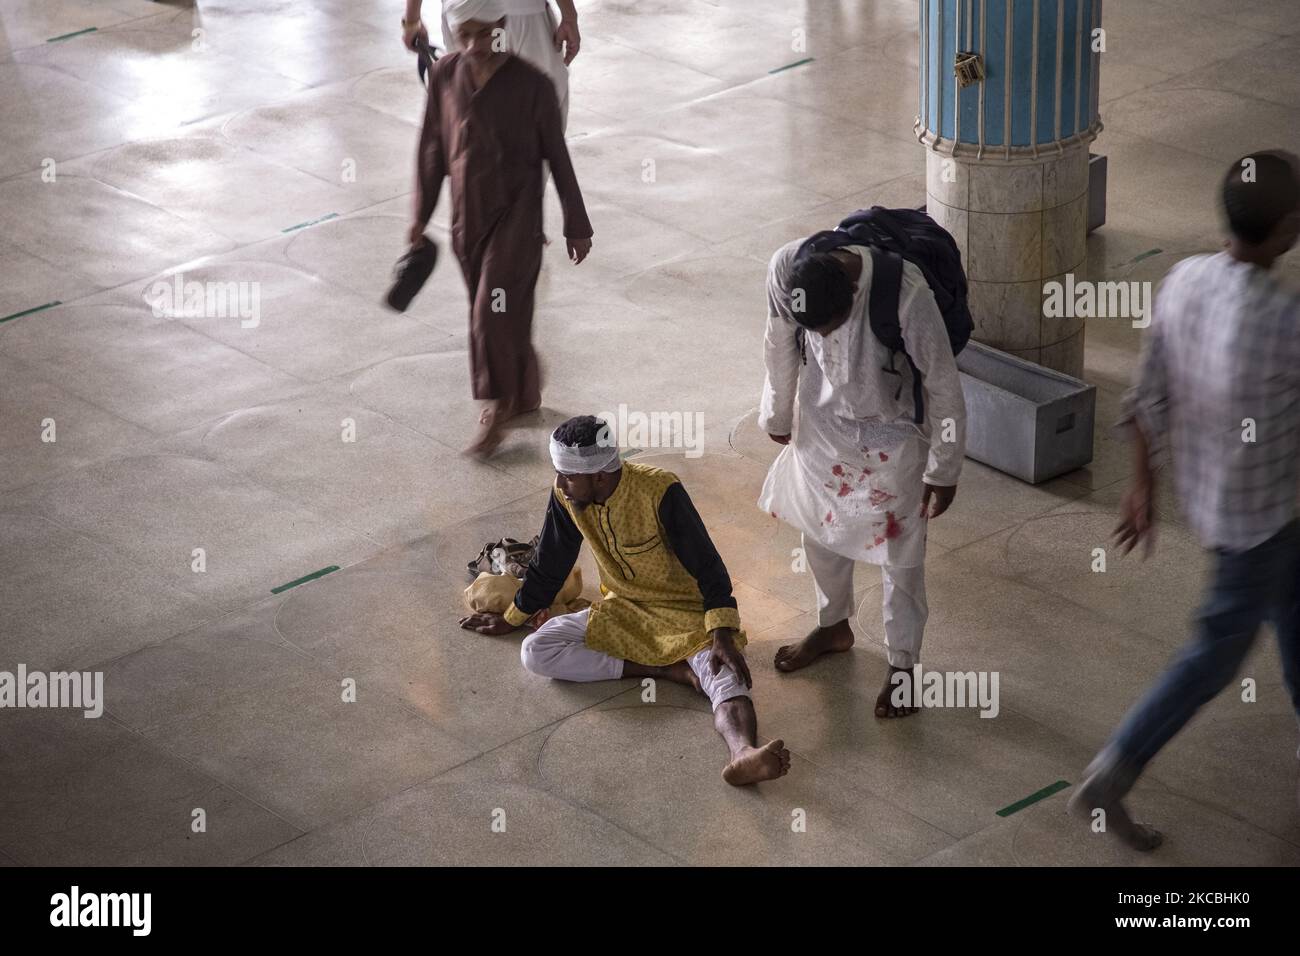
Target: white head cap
[(484, 11)]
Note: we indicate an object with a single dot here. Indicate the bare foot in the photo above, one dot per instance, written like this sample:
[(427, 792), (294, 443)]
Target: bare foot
[(487, 440), (885, 706), (824, 640), (502, 412), (755, 764), (1137, 836)]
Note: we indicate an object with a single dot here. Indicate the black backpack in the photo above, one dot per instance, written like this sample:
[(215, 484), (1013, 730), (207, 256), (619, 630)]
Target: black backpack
[(894, 235)]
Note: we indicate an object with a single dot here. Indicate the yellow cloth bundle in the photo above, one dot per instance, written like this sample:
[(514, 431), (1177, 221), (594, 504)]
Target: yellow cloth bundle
[(496, 592)]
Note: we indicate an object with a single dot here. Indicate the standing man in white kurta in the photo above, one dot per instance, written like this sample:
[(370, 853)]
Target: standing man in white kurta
[(531, 32), (859, 478)]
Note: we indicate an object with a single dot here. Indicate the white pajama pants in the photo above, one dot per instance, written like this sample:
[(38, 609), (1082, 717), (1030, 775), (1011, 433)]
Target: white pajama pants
[(558, 649), (903, 600)]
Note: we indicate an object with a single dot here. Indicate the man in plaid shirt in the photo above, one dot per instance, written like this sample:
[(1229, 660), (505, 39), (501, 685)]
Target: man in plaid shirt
[(1218, 391)]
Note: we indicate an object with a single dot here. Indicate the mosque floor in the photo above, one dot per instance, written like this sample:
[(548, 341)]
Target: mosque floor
[(179, 433)]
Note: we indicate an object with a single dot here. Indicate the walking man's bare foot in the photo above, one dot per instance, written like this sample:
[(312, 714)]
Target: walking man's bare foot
[(487, 441), (897, 689), (1089, 798), (501, 412), (756, 764), (823, 640)]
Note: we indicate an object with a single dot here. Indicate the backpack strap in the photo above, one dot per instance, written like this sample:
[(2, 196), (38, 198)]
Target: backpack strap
[(886, 285)]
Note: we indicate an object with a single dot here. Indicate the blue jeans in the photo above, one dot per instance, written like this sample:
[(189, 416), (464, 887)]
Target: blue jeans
[(1248, 588)]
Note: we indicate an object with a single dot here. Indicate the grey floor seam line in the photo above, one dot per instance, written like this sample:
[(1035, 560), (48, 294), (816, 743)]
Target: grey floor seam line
[(802, 756), (1231, 814), (244, 608), (469, 760), (162, 748), (552, 728)]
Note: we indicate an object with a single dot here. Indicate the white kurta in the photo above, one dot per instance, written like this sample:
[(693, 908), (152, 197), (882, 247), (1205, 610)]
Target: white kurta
[(530, 34), (853, 474)]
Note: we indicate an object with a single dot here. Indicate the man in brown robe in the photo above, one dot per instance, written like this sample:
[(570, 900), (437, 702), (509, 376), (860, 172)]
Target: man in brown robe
[(492, 121)]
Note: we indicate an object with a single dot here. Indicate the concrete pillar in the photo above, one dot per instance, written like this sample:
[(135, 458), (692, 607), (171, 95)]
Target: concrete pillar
[(1007, 159)]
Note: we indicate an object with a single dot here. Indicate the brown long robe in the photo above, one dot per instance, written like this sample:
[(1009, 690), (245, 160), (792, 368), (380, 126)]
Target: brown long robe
[(492, 143)]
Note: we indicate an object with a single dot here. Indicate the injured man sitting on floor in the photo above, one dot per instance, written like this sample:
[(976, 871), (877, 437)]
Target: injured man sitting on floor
[(667, 609)]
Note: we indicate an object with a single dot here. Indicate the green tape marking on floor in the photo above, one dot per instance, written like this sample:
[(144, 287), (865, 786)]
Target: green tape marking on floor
[(67, 36), (791, 66), (304, 225), (39, 308), (1146, 255), (303, 580), (1034, 798)]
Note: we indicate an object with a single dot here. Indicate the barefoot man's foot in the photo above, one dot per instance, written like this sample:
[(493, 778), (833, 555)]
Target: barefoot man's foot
[(502, 412), (824, 640), (755, 764), (905, 688), (1090, 797), (487, 440)]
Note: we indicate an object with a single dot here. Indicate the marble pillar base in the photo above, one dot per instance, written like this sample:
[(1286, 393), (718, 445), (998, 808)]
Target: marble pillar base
[(1019, 224)]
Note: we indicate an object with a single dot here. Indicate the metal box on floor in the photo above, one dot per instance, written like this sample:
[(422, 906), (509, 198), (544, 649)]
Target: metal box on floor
[(1024, 419)]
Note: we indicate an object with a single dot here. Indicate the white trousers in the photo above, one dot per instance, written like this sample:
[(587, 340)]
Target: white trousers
[(532, 37), (903, 600), (558, 649)]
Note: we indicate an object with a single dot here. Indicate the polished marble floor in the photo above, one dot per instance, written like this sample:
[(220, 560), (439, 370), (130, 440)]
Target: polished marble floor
[(224, 154)]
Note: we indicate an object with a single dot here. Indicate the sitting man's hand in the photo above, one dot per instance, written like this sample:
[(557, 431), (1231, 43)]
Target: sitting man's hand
[(726, 653), (486, 622)]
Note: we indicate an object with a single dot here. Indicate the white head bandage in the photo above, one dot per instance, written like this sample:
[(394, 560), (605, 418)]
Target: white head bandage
[(484, 11), (588, 459)]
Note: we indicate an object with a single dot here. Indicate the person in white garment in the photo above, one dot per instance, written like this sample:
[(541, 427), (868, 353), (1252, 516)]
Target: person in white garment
[(531, 32), (857, 476)]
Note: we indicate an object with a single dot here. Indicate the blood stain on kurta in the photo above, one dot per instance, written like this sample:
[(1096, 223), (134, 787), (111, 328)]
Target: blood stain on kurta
[(892, 526), (884, 457), (845, 488), (878, 497)]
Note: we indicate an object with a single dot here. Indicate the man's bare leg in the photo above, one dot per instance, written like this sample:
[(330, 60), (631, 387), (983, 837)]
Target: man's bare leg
[(736, 721), (904, 686), (679, 673), (824, 640)]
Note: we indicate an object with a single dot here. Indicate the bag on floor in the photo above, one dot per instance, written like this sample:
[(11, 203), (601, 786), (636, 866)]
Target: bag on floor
[(506, 556), (496, 592)]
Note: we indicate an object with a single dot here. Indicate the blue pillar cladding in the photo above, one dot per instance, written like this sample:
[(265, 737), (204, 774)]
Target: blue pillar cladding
[(1040, 72)]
